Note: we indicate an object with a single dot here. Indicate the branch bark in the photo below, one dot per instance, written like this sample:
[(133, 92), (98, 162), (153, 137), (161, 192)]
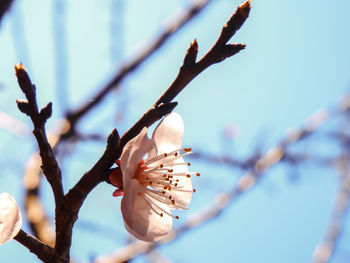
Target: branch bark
[(40, 249), (29, 107)]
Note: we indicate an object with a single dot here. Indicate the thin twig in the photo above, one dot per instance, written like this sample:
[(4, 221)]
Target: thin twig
[(324, 252), (30, 107), (40, 249)]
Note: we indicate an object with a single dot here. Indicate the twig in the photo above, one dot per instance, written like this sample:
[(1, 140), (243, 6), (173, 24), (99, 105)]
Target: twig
[(38, 221), (324, 252), (219, 52), (30, 107), (40, 249), (13, 125)]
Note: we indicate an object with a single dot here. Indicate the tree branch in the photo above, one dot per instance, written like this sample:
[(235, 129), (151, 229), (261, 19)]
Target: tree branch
[(220, 51), (40, 249), (30, 107)]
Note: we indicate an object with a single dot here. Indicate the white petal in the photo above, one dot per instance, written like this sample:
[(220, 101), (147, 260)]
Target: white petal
[(184, 195), (168, 134), (133, 152), (10, 218), (140, 220)]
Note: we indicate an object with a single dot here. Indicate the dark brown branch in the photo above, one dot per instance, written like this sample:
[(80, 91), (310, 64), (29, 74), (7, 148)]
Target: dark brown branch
[(40, 249), (68, 212), (220, 51), (30, 107)]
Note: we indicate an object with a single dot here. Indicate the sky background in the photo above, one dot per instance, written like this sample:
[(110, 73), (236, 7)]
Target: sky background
[(297, 61)]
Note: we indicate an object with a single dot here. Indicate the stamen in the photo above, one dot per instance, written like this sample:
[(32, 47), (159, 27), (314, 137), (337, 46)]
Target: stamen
[(161, 198), (183, 190), (149, 203), (187, 149), (176, 217), (165, 155)]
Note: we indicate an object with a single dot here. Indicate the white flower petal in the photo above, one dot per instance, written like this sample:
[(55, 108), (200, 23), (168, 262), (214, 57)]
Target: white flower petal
[(133, 152), (10, 218), (140, 220), (168, 134)]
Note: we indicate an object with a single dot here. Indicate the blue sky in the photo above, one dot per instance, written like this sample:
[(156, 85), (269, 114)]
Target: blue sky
[(297, 60)]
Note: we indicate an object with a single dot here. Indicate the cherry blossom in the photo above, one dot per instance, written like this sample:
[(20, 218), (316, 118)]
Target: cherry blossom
[(10, 218), (154, 186)]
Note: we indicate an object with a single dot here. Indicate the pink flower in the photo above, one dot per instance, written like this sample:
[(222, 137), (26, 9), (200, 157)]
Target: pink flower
[(10, 218), (154, 186)]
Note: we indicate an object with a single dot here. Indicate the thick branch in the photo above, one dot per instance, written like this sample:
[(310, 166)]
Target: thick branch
[(68, 212), (40, 249)]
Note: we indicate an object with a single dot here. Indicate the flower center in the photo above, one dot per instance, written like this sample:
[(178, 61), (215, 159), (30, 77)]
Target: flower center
[(163, 181)]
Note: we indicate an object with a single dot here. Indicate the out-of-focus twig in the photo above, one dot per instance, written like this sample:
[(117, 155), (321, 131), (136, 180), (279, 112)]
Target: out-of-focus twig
[(324, 252), (326, 249), (13, 125), (30, 108)]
